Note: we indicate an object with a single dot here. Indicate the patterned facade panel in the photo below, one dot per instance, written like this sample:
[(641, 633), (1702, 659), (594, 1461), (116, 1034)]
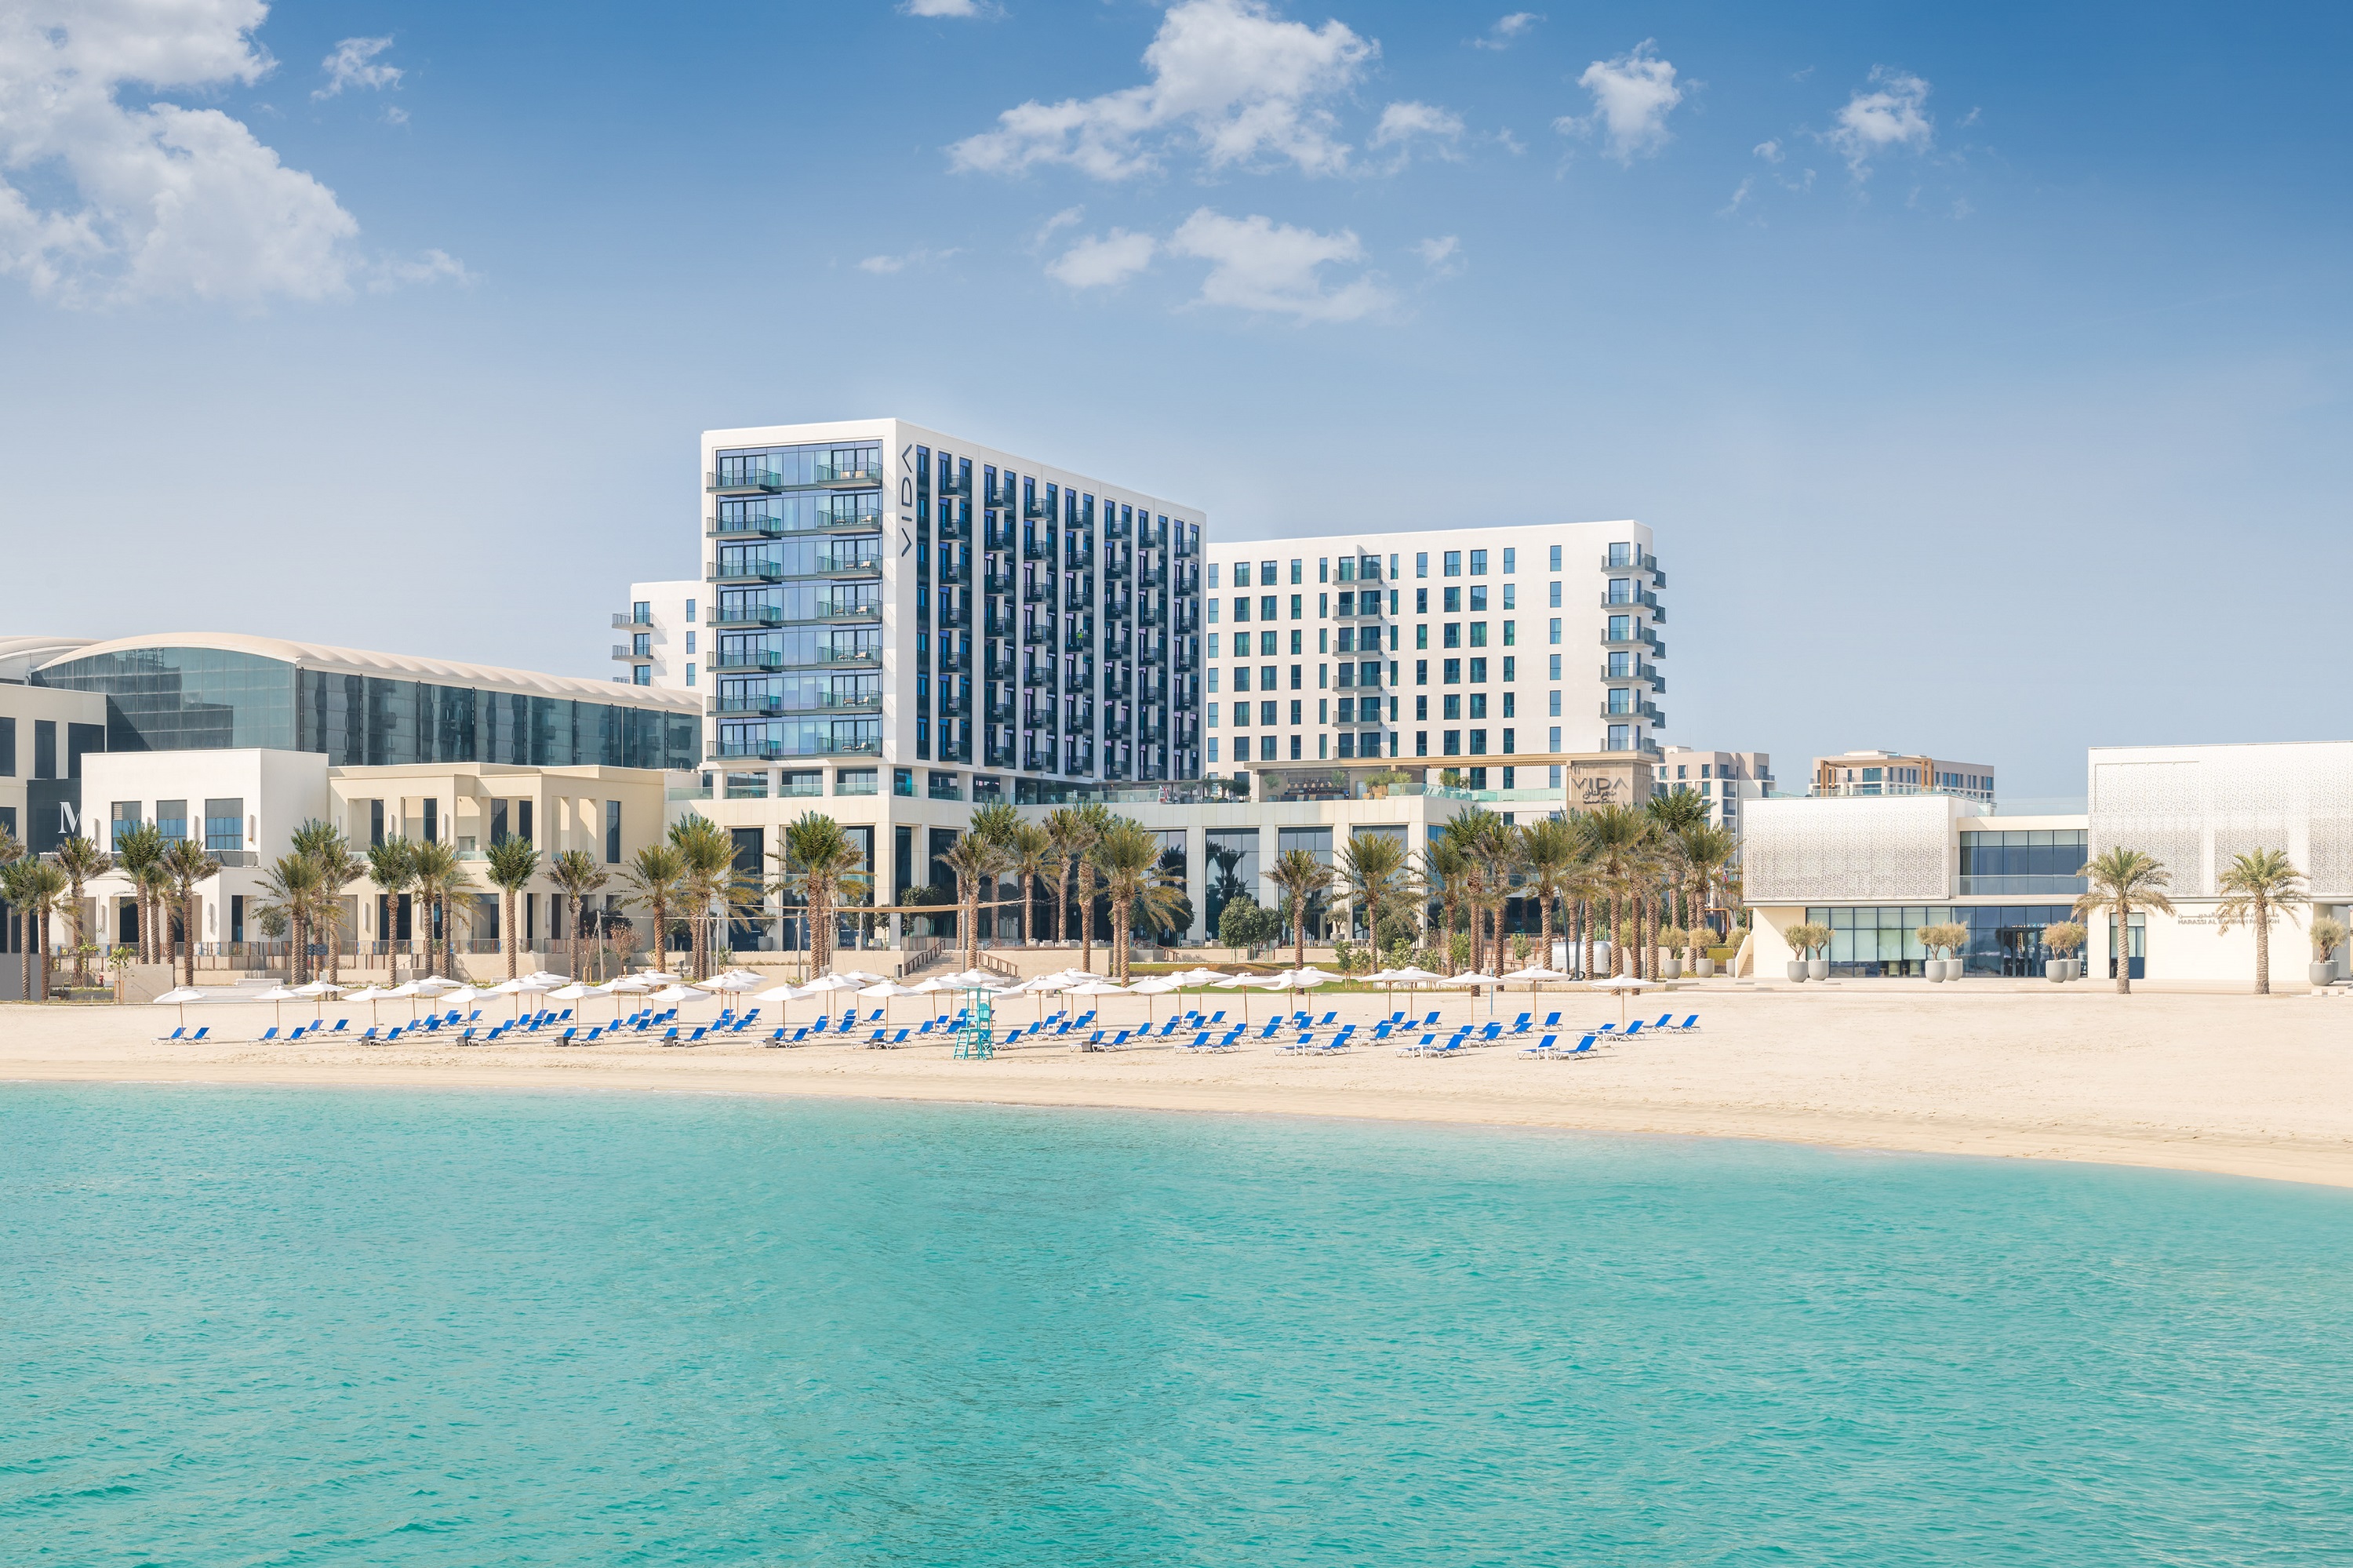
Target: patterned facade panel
[(1898, 850), (2158, 808)]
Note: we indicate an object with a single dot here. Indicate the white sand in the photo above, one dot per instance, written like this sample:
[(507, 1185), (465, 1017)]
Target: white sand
[(2253, 1086)]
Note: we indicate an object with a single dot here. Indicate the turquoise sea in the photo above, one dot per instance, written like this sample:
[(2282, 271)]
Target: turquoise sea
[(307, 1327)]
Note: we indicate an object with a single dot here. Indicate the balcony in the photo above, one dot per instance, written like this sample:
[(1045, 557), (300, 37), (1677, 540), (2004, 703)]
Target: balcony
[(1034, 635), (750, 615), (847, 477), (998, 669), (1033, 593), (739, 482), (998, 624), (775, 751), (996, 582), (1000, 712), (854, 609), (1642, 711), (1635, 560), (1035, 549), (2019, 887), (622, 650), (861, 563), (747, 572), (626, 621), (1643, 597), (770, 707), (850, 655), (1639, 635), (744, 528), (744, 663)]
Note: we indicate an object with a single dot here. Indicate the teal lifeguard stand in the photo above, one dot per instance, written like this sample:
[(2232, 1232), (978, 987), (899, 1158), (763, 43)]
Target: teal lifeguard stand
[(977, 1038)]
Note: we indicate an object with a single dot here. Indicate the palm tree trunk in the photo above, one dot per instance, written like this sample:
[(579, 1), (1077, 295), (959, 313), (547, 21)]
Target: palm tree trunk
[(188, 933), (2263, 949), (1086, 918), (2120, 944)]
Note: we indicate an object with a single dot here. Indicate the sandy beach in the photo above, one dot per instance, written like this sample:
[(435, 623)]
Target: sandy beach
[(2237, 1085)]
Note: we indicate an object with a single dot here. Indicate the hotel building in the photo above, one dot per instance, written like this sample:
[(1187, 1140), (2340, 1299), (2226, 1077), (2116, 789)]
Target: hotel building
[(1502, 653), (1898, 773), (1726, 781), (666, 645)]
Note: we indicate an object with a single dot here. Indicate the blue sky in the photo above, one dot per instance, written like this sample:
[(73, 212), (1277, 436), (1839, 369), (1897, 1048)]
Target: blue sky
[(1956, 354)]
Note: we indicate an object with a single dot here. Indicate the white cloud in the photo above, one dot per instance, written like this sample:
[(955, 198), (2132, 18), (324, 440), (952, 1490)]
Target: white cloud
[(1442, 256), (943, 9), (1890, 114), (884, 266), (353, 65), (1101, 263), (1244, 83), (1507, 30), (1404, 122), (1066, 218), (433, 266), (1632, 96), (1769, 151), (1739, 198), (159, 201), (1257, 264)]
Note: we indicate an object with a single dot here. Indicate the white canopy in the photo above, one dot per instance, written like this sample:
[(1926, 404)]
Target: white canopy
[(975, 979), (572, 992), (433, 983), (1196, 977), (672, 993), (889, 989), (1305, 979), (321, 987), (368, 993), (1624, 982), (860, 976), (1536, 973), (178, 995), (785, 992), (731, 983), (1255, 982), (1473, 980), (1097, 988), (828, 982), (630, 985), (277, 993), (654, 976), (1156, 985), (1411, 975), (515, 987)]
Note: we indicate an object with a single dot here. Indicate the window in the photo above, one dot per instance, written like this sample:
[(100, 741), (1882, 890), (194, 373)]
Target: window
[(741, 786), (1453, 636), (1454, 705), (1453, 674), (1478, 634), (1511, 666), (641, 645), (690, 609), (1555, 638), (806, 782), (1213, 674), (1266, 745), (1621, 553), (1555, 557), (1241, 677), (612, 832), (223, 826), (1478, 596), (1241, 574), (1296, 577), (1511, 635), (1510, 596), (1556, 746), (1511, 561), (1621, 701), (1266, 574), (1421, 707), (1621, 628), (902, 782), (1556, 596), (7, 748), (1213, 611), (1213, 748), (1453, 601), (1295, 672), (1453, 563), (1422, 601), (642, 611), (1478, 671), (641, 675), (1267, 606), (946, 787), (1421, 743), (855, 781), (690, 674), (1422, 672), (1620, 738), (1508, 705), (1298, 643), (1478, 563), (1554, 709), (1213, 574), (1266, 644), (1242, 609), (1555, 667), (1296, 601), (1421, 564), (1266, 719), (1210, 715), (1295, 707), (1421, 636), (1451, 742), (690, 643)]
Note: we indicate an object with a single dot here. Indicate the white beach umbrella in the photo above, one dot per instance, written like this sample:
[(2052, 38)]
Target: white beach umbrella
[(631, 985), (1247, 981), (860, 976), (432, 984), (179, 997), (655, 977), (1097, 988), (673, 993), (1150, 987), (1534, 974), (885, 990), (1473, 981), (277, 996), (1625, 985)]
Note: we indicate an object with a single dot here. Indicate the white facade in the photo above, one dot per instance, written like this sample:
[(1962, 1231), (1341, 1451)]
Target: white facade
[(1513, 646), (884, 596), (664, 644), (1728, 780), (1902, 773)]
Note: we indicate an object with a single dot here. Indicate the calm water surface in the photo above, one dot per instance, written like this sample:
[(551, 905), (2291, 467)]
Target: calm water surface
[(249, 1327)]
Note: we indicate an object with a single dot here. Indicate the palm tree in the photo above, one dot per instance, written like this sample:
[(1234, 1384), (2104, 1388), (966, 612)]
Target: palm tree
[(2259, 885), (1621, 859), (976, 862), (1067, 835), (290, 888), (338, 869), (817, 862), (655, 878), (439, 880), (712, 880), (12, 892), (2124, 882), (1128, 855), (511, 864), (1096, 820), (187, 865), (1373, 867), (1704, 851), (1446, 869), (576, 875), (1303, 879), (1000, 824), (1671, 816), (1552, 853), (391, 867), (39, 884), (83, 863), (137, 852), (1031, 849)]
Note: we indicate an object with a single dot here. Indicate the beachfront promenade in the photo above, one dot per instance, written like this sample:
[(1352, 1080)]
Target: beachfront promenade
[(2258, 1086)]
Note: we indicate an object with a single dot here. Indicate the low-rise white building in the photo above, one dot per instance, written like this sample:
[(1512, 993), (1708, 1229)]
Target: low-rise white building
[(665, 644)]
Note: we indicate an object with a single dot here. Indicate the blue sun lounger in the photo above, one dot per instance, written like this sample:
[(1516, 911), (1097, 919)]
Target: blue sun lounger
[(1543, 1047)]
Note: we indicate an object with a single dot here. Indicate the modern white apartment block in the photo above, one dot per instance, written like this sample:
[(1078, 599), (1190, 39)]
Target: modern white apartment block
[(666, 645), (1504, 648), (1726, 781), (1902, 773), (884, 601)]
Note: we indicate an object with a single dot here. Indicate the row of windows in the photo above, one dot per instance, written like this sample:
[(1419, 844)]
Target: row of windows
[(1351, 710), (1368, 567)]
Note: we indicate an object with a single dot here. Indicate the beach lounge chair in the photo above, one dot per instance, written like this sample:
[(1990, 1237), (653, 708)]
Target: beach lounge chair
[(199, 1034), (1199, 1043), (1490, 1035), (1274, 1027), (396, 1031), (176, 1034), (1426, 1046), (1543, 1047), (1630, 1030), (1431, 1022), (1328, 1020), (466, 1038), (1520, 1024), (1666, 1021), (268, 1035), (1689, 1025), (1552, 1021), (566, 1038), (694, 1039), (368, 1037)]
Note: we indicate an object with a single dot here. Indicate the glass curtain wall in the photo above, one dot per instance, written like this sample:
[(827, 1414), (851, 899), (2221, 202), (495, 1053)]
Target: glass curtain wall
[(1880, 941)]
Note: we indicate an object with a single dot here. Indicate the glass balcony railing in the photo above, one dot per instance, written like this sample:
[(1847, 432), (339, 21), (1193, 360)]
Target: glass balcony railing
[(626, 621), (776, 751), (854, 609), (850, 475), (754, 615), (744, 479), (747, 572), (850, 655), (737, 664)]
